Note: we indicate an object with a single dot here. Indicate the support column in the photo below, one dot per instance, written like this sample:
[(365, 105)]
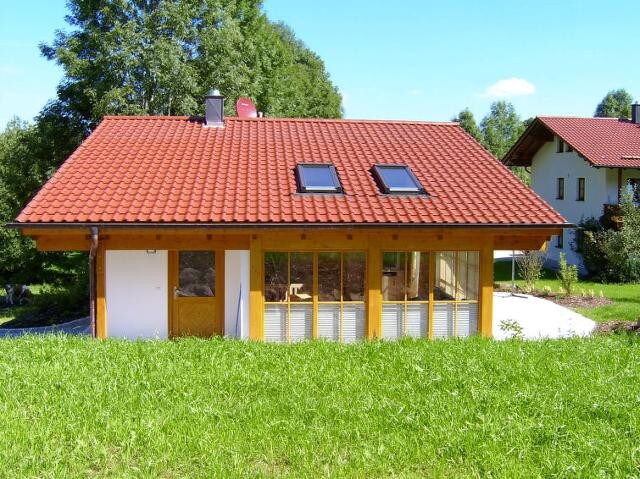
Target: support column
[(486, 291), (256, 264), (101, 304), (374, 293)]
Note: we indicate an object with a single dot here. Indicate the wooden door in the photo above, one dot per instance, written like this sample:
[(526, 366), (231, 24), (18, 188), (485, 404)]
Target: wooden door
[(196, 293)]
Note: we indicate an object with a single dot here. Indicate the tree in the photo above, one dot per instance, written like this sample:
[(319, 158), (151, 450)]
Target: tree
[(150, 57), (501, 128), (615, 104), (161, 57), (468, 123)]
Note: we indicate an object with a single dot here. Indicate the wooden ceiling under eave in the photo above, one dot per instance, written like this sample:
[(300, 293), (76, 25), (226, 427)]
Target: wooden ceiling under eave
[(521, 154)]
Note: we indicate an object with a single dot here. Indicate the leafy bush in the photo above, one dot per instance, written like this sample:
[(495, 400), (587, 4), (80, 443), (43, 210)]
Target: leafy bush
[(609, 255), (568, 275), (530, 265)]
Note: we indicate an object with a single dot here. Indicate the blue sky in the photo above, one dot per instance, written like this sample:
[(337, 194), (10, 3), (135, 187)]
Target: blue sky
[(406, 59)]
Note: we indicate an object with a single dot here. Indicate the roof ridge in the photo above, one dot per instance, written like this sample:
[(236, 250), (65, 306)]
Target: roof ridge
[(279, 119), (571, 117)]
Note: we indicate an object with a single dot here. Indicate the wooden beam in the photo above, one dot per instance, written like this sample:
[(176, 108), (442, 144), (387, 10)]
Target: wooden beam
[(520, 242), (486, 291), (256, 315), (101, 302), (374, 292)]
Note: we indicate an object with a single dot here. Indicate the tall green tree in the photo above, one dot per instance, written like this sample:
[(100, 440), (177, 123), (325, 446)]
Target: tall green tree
[(161, 57), (468, 123), (501, 127), (615, 104), (150, 57), (497, 132)]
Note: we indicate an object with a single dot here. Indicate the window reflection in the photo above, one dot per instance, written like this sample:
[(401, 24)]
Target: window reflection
[(354, 270), (196, 273)]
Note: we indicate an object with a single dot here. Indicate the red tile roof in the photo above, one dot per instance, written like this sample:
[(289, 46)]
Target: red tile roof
[(175, 170), (601, 141)]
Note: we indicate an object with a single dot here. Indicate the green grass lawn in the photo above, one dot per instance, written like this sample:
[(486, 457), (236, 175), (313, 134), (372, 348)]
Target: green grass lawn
[(75, 407), (625, 297)]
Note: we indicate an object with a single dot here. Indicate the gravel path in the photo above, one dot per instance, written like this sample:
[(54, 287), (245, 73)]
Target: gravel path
[(536, 317)]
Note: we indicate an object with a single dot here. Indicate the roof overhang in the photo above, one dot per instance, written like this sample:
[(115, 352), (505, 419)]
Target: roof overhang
[(523, 151), (183, 225)]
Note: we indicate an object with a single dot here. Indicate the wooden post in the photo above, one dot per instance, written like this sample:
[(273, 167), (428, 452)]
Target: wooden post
[(374, 293), (256, 315), (486, 290), (101, 303)]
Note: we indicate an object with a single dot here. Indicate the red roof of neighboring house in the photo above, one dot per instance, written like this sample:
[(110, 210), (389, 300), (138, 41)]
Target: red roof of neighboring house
[(176, 170), (601, 141)]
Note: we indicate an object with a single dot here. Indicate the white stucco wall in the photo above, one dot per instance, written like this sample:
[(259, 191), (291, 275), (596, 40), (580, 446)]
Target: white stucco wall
[(236, 294), (136, 294), (547, 166)]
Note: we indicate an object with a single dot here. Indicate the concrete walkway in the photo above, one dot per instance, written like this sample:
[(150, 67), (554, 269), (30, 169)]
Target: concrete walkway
[(538, 318), (80, 327)]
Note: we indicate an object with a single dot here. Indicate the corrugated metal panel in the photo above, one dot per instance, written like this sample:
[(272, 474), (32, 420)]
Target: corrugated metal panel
[(417, 314), (301, 326), (443, 320), (467, 319), (352, 322), (329, 321), (275, 323), (392, 319)]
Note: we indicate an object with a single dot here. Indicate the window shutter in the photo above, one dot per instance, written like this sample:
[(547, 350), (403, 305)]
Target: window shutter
[(329, 321), (417, 315), (275, 323), (392, 320), (467, 319), (443, 320), (352, 322), (300, 317)]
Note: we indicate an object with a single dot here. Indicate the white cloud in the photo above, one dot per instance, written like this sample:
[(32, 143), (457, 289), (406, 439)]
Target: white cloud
[(509, 87)]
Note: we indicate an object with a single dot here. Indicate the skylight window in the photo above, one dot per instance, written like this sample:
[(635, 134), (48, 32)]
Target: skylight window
[(397, 179), (317, 178)]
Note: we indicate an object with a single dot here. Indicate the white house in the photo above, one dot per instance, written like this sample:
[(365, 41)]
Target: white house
[(579, 166)]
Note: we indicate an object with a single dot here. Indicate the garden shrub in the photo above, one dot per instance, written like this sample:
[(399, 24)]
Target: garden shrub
[(530, 265), (568, 275), (613, 256)]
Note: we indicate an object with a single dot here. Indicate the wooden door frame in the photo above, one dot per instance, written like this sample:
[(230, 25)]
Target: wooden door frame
[(172, 277)]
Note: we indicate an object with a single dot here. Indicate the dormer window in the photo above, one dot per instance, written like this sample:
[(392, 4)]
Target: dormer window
[(397, 179), (317, 178)]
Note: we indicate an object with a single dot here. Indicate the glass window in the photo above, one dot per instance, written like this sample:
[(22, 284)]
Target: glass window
[(468, 275), (405, 293), (301, 286), (560, 194), (318, 178), (581, 187), (445, 285), (634, 185), (276, 276), (329, 276), (418, 276), (559, 145), (353, 281), (397, 179), (393, 276), (560, 241), (196, 273)]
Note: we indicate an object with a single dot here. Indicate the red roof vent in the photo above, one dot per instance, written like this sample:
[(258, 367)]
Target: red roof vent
[(245, 108)]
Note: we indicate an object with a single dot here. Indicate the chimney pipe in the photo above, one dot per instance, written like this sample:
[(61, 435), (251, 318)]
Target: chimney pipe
[(214, 109), (635, 113)]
